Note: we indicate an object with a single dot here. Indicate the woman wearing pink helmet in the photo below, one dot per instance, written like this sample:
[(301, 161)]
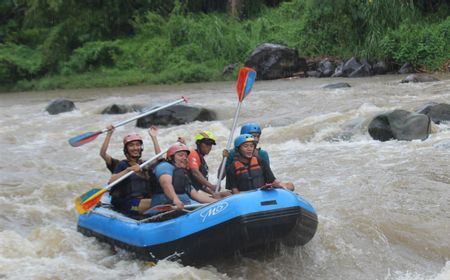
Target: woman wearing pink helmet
[(173, 182)]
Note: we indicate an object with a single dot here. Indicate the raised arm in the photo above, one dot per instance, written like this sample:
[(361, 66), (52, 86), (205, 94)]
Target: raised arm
[(153, 132), (105, 156)]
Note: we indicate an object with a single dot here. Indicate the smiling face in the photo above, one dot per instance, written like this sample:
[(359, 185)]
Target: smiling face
[(246, 149), (180, 159), (134, 149)]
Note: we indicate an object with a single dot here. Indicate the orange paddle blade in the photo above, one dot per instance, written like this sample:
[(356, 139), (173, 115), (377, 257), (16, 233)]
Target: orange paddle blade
[(245, 82), (89, 200)]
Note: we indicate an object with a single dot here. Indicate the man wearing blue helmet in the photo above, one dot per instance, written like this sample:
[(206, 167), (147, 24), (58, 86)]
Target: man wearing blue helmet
[(255, 130), (247, 171)]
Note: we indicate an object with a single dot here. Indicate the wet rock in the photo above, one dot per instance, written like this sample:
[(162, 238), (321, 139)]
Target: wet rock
[(407, 68), (350, 66), (315, 74), (437, 112), (176, 115), (381, 68), (415, 78), (338, 72), (362, 71), (337, 85), (400, 125), (272, 61), (122, 109), (326, 68), (60, 106), (379, 129)]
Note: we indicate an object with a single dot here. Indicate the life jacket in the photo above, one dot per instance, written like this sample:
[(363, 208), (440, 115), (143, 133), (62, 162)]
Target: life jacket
[(249, 177), (203, 169), (134, 186), (180, 181)]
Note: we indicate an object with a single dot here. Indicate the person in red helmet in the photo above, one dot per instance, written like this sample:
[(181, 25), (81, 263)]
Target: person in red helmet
[(132, 195), (173, 183), (111, 162)]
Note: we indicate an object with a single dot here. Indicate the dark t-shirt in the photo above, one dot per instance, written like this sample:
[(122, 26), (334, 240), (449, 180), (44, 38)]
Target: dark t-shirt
[(111, 167), (231, 174)]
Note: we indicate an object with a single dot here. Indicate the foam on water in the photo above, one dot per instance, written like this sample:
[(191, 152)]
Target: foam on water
[(383, 206)]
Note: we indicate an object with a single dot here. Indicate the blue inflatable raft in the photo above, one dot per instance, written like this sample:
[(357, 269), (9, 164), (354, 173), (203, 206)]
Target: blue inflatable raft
[(240, 222)]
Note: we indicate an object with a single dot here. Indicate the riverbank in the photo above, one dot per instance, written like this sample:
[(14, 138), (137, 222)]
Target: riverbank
[(184, 46)]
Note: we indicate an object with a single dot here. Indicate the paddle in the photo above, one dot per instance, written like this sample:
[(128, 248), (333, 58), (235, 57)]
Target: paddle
[(167, 207), (88, 200), (244, 85), (90, 136), (159, 211)]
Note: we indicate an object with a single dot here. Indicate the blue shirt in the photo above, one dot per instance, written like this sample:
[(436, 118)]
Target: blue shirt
[(262, 155), (163, 168)]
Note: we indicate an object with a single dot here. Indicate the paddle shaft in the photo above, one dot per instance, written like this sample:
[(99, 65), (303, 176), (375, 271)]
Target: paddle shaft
[(233, 128), (90, 136), (171, 210), (173, 207), (128, 174), (146, 113), (89, 203)]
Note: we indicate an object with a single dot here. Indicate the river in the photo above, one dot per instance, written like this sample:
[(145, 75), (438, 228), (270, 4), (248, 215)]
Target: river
[(383, 207)]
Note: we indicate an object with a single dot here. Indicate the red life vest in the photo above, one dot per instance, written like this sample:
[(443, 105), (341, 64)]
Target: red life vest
[(249, 177)]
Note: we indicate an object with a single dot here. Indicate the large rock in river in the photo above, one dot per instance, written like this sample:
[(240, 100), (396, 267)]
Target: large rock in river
[(437, 112), (400, 125), (176, 115), (272, 61), (414, 78), (60, 105), (122, 109), (337, 85)]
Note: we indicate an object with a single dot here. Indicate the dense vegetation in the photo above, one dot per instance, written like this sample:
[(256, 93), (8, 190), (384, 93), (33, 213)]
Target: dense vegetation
[(47, 44)]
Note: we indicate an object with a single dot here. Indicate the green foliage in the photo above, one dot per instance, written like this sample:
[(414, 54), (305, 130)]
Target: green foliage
[(91, 56), (56, 43), (420, 44), (151, 24), (18, 63), (375, 18)]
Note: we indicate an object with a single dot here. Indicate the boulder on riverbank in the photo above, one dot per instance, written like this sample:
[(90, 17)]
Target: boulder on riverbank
[(406, 68), (272, 61), (176, 115), (400, 125), (353, 68), (60, 105)]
